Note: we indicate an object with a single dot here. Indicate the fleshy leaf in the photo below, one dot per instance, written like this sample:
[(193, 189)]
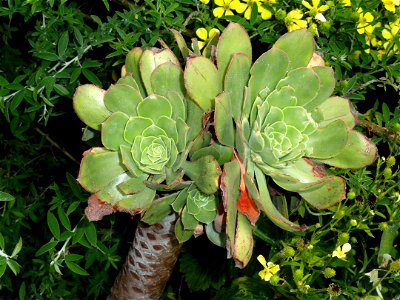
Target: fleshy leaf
[(150, 60), (358, 153), (98, 168), (224, 126), (89, 105), (265, 203), (326, 86), (204, 172), (234, 39), (112, 131), (154, 107), (236, 79), (159, 209), (267, 71), (304, 93), (122, 98), (230, 181), (202, 81), (243, 247), (329, 141), (166, 78), (298, 45), (132, 67), (317, 196), (334, 108)]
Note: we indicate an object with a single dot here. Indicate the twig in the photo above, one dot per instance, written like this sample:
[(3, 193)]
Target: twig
[(51, 141), (379, 130), (361, 87)]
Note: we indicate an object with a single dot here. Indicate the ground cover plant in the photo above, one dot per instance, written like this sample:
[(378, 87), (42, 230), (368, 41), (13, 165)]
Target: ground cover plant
[(49, 249)]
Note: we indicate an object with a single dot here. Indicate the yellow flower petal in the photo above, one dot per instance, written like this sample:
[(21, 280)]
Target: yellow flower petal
[(205, 1), (247, 14), (346, 247), (323, 8), (306, 4), (219, 2), (265, 14), (218, 12), (213, 32), (202, 33), (240, 7), (201, 44), (262, 260)]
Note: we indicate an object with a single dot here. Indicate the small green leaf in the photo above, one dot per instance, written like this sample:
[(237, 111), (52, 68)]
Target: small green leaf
[(17, 248), (50, 56), (14, 266), (3, 267), (76, 268), (91, 77), (6, 197), (62, 44), (53, 225), (73, 257), (91, 234), (72, 207), (46, 247), (63, 218)]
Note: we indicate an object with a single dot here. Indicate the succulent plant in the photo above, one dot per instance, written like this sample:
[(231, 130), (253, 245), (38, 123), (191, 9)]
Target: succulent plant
[(147, 129), (282, 122)]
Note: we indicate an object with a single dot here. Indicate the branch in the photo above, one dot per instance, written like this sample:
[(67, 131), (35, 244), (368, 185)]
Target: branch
[(379, 130), (51, 141)]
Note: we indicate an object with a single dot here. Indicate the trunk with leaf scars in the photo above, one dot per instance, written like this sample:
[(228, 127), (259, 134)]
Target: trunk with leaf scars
[(149, 263)]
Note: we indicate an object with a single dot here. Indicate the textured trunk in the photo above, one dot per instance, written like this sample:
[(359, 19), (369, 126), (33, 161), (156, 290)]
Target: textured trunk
[(149, 263)]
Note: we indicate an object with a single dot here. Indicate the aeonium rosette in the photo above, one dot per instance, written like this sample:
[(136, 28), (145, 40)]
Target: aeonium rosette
[(282, 122), (147, 126)]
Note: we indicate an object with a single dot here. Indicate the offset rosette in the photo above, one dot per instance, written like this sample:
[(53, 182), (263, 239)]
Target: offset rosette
[(147, 128)]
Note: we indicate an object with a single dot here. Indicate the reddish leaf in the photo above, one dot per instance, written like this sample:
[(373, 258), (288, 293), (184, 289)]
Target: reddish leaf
[(245, 204), (248, 207)]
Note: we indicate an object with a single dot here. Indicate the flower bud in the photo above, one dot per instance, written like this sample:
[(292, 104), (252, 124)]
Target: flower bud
[(280, 14), (274, 280), (382, 226), (343, 238), (391, 161), (289, 251), (298, 275), (329, 273), (351, 195), (353, 222), (387, 173), (395, 265)]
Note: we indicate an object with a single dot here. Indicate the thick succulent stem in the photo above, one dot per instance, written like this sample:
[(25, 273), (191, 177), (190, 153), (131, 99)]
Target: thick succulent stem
[(149, 263)]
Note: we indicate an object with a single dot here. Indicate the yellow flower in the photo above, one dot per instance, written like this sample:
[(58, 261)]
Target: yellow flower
[(293, 20), (364, 21), (205, 1), (346, 2), (269, 268), (340, 252), (315, 10), (205, 36), (225, 7), (248, 7), (391, 31), (390, 5)]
